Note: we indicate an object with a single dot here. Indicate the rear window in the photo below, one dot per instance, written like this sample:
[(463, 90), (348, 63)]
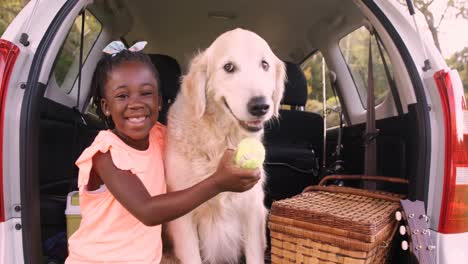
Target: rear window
[(66, 65), (313, 69), (355, 50)]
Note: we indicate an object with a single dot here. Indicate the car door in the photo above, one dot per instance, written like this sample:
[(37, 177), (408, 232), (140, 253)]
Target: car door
[(28, 44), (441, 112)]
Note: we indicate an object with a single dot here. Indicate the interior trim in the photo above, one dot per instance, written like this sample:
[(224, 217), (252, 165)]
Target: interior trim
[(420, 173)]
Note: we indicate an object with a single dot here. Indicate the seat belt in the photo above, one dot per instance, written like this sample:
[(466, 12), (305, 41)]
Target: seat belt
[(370, 158)]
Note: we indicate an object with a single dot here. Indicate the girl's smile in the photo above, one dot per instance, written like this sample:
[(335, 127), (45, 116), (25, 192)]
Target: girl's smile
[(132, 100)]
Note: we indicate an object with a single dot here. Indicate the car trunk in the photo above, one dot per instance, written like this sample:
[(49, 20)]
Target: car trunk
[(294, 31)]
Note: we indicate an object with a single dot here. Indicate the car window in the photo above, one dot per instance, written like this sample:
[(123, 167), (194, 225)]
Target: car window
[(355, 50), (66, 65), (313, 72)]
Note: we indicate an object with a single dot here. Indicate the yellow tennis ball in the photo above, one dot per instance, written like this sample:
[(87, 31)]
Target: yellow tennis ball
[(250, 153)]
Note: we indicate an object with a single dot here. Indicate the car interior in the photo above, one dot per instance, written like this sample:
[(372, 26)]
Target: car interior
[(301, 147)]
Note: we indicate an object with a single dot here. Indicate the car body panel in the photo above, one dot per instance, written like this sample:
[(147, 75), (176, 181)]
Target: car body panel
[(36, 19)]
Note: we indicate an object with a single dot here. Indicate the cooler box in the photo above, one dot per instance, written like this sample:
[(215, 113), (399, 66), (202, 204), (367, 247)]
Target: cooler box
[(72, 212)]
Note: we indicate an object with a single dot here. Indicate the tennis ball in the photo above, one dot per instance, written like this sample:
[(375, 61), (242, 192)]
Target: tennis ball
[(250, 153)]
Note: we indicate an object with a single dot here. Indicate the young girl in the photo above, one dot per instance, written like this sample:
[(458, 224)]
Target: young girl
[(121, 180)]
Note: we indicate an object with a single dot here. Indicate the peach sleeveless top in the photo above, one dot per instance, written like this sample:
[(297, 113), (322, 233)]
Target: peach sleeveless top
[(108, 233)]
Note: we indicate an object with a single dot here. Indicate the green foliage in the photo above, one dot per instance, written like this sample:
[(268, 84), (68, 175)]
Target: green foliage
[(459, 8), (355, 49), (333, 117), (66, 65), (459, 62), (313, 73), (8, 11), (315, 106)]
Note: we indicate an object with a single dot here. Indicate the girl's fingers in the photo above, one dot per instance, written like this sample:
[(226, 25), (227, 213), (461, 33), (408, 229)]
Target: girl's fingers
[(250, 181), (251, 177), (250, 186)]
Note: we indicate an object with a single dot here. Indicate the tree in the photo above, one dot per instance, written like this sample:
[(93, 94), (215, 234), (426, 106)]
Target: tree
[(8, 10), (459, 7), (459, 61)]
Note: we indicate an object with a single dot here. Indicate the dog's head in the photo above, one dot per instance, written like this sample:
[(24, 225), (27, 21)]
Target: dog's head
[(239, 75)]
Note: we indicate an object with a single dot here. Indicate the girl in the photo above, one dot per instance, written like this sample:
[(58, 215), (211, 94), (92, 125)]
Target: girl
[(121, 180)]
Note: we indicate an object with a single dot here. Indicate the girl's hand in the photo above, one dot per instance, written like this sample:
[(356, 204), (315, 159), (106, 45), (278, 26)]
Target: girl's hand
[(231, 178), (130, 191)]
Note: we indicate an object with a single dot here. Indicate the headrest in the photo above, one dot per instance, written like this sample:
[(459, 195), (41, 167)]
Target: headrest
[(295, 92), (169, 74)]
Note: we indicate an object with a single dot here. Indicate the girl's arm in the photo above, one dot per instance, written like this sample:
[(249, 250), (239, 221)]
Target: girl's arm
[(132, 194)]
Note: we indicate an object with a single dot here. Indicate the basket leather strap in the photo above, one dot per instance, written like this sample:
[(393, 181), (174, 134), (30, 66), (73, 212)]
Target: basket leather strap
[(361, 178), (353, 191)]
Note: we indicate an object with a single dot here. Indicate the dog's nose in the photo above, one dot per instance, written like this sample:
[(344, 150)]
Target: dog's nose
[(258, 106)]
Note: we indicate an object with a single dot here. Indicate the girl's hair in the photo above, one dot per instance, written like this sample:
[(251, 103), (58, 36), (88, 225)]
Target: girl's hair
[(101, 74)]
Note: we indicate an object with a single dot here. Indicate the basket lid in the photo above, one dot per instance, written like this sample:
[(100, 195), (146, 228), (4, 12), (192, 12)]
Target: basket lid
[(351, 212)]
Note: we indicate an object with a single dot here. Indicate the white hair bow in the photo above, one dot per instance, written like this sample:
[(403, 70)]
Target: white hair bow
[(117, 46)]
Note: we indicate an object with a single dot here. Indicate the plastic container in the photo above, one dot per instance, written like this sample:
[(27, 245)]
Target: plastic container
[(72, 212)]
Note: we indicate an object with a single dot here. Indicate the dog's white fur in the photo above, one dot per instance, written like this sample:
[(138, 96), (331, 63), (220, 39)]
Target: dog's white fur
[(201, 127)]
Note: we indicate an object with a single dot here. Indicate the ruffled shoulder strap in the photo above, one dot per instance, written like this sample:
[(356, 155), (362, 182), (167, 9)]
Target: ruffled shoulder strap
[(105, 141), (158, 135)]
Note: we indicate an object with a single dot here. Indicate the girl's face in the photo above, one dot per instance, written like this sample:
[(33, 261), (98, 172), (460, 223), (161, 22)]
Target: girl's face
[(131, 98)]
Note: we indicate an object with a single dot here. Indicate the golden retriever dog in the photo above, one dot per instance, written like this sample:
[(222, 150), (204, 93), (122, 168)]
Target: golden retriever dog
[(231, 89)]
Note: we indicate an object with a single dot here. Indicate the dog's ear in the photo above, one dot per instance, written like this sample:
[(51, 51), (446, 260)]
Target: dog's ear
[(194, 85), (279, 89)]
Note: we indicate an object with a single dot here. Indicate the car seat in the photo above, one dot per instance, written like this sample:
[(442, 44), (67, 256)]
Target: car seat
[(294, 142), (169, 75)]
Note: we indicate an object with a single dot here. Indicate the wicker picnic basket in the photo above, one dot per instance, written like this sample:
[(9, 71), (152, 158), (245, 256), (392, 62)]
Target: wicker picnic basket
[(332, 224)]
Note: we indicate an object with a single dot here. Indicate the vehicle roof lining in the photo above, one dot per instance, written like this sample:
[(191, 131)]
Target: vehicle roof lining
[(182, 28)]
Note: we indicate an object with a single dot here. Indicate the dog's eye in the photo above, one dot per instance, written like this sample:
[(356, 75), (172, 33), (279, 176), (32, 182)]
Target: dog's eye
[(265, 65), (229, 67)]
